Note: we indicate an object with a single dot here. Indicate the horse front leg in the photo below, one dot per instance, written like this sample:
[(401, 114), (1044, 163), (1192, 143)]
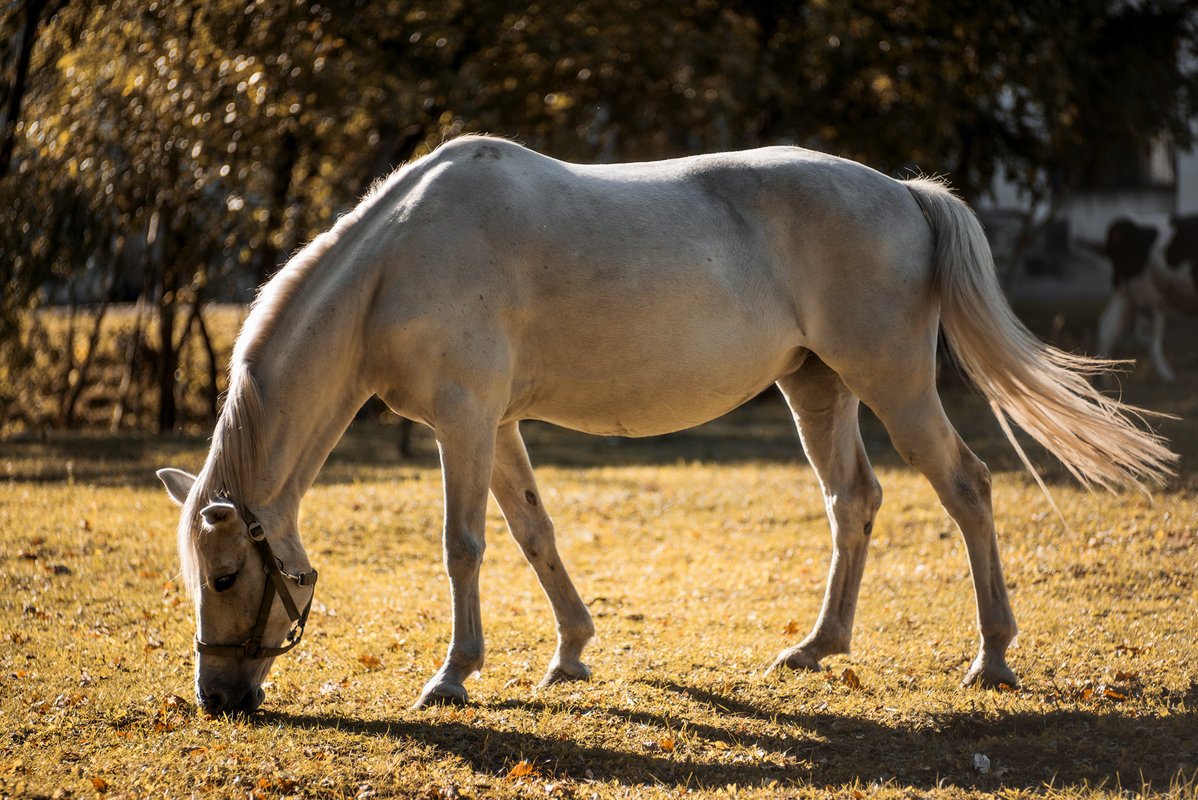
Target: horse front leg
[(515, 489), (467, 444)]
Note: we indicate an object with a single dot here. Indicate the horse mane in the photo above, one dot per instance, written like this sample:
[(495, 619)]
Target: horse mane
[(235, 455), (276, 294)]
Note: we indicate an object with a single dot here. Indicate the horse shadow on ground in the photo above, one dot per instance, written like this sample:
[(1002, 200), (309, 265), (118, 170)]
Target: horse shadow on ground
[(1025, 750)]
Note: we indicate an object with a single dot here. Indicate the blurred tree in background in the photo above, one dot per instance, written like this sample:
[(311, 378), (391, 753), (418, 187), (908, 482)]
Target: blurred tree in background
[(172, 152)]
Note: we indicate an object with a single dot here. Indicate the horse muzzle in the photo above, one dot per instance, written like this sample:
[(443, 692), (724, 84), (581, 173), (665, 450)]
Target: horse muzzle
[(216, 700)]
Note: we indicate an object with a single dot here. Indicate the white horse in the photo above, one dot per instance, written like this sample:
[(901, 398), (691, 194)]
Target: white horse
[(486, 284)]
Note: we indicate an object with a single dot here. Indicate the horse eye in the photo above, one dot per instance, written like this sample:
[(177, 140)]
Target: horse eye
[(224, 582)]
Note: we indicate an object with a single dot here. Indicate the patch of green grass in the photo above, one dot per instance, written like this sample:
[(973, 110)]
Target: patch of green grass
[(700, 556)]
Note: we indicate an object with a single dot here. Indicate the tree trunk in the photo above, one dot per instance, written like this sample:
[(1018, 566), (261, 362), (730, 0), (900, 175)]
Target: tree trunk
[(213, 390), (16, 89), (68, 355), (267, 257), (195, 318), (66, 417), (132, 354), (168, 363)]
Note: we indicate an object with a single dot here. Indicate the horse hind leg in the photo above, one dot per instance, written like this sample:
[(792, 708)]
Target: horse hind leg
[(825, 413), (926, 440), (515, 489)]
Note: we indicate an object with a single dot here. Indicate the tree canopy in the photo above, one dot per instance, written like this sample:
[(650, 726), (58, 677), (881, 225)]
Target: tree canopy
[(179, 150)]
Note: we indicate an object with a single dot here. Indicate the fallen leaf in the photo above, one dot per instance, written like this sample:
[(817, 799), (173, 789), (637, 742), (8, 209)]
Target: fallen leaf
[(791, 628), (369, 661), (850, 679), (100, 785), (521, 770), (69, 700)]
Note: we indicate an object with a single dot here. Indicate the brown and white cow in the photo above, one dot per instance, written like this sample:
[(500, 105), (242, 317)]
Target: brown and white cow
[(1151, 277)]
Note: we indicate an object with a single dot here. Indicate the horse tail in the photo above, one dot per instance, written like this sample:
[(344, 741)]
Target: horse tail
[(1046, 391)]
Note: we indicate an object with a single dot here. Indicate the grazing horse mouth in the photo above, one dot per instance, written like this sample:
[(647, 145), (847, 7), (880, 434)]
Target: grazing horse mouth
[(219, 701)]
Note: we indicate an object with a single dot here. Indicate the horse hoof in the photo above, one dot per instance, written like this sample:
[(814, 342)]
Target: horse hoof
[(990, 676), (795, 659), (561, 673), (442, 695)]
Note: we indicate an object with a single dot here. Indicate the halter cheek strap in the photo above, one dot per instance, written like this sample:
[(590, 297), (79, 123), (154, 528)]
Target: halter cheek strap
[(276, 584)]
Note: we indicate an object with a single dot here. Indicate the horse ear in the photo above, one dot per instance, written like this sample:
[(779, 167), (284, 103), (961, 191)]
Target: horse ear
[(178, 483), (218, 514)]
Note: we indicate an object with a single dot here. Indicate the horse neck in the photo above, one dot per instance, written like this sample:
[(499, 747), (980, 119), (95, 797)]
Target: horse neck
[(293, 392)]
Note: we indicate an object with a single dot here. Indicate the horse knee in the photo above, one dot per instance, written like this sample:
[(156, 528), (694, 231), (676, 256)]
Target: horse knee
[(463, 555)]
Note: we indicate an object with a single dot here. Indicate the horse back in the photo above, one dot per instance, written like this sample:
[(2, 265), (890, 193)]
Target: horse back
[(708, 276)]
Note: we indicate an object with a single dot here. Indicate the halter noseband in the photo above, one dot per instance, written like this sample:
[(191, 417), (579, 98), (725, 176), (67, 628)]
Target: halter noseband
[(276, 583)]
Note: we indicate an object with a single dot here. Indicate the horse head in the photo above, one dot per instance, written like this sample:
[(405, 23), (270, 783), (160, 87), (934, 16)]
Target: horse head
[(247, 604)]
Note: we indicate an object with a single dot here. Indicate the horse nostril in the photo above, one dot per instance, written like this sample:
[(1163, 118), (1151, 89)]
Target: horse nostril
[(254, 699), (211, 702)]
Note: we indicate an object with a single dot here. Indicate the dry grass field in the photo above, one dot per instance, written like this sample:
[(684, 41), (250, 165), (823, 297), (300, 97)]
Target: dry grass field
[(700, 555)]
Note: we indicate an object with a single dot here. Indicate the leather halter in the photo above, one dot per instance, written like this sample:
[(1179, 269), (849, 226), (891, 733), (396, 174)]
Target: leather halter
[(276, 583)]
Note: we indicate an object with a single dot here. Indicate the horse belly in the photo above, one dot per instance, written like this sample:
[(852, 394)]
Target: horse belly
[(646, 390)]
